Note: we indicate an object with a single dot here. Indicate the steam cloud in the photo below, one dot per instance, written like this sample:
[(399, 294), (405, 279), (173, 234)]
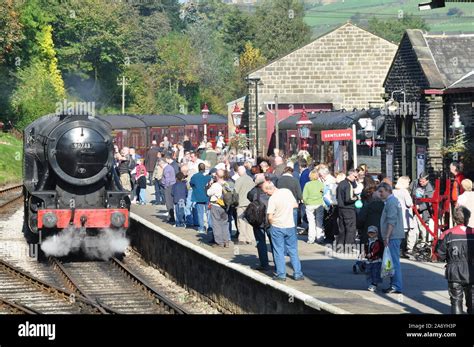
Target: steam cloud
[(103, 246)]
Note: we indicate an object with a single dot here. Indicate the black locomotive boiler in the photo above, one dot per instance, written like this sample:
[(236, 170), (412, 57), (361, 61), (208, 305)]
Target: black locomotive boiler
[(69, 179)]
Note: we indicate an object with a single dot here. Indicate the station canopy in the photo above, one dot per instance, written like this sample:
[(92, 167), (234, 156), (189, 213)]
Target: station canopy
[(332, 120)]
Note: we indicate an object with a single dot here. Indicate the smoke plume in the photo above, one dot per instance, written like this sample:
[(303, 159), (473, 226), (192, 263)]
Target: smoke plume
[(103, 246)]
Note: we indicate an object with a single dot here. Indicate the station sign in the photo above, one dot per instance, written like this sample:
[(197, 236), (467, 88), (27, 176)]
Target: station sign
[(336, 135)]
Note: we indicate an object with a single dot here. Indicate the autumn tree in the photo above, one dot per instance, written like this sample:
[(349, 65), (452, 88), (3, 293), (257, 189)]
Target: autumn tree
[(280, 27)]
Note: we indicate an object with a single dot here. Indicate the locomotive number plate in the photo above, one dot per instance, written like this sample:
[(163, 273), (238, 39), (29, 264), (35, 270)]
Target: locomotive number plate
[(81, 145)]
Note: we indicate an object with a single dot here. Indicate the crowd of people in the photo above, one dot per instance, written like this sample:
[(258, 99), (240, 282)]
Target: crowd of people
[(210, 187)]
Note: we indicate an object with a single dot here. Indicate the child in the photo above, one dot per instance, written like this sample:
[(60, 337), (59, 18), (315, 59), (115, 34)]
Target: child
[(179, 192), (373, 254), (140, 177)]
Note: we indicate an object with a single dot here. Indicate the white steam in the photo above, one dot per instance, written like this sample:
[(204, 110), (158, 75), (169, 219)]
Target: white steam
[(103, 246)]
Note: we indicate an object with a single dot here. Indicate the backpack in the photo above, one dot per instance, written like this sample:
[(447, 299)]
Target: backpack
[(255, 213), (230, 197)]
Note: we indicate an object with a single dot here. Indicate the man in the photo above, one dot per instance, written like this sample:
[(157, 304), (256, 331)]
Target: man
[(169, 178), (193, 163), (393, 232), (456, 246), (304, 173), (283, 230), (330, 202), (188, 147), (347, 213), (169, 159), (125, 166), (218, 213), (157, 176), (166, 143), (198, 184), (262, 230), (422, 188), (211, 155), (150, 160), (289, 182), (279, 166), (243, 185)]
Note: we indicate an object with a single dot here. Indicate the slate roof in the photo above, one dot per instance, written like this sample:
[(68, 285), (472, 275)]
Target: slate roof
[(330, 120), (447, 60)]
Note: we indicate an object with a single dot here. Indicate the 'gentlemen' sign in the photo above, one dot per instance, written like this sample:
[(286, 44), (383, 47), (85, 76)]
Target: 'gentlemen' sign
[(336, 135)]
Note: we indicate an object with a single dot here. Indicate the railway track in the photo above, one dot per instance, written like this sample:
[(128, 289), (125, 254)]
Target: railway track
[(21, 292), (10, 195), (115, 287)]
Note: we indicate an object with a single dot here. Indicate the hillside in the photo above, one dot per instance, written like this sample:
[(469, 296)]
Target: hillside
[(325, 17), (10, 159)]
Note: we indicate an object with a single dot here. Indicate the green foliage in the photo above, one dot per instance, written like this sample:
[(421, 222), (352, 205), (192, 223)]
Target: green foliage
[(238, 28), (176, 61), (280, 27), (10, 159), (393, 29), (35, 94), (10, 31)]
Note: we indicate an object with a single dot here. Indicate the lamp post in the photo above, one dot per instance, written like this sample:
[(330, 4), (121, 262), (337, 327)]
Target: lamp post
[(369, 131), (304, 129), (237, 118), (205, 114), (458, 129), (255, 80)]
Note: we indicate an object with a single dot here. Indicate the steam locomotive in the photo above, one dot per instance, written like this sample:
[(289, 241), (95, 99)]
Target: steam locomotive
[(69, 180)]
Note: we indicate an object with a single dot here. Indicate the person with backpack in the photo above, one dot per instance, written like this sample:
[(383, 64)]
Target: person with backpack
[(256, 215), (243, 185), (218, 213)]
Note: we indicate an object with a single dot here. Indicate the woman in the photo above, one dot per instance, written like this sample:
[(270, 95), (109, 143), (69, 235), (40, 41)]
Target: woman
[(466, 199), (313, 200), (371, 210), (403, 195), (140, 177)]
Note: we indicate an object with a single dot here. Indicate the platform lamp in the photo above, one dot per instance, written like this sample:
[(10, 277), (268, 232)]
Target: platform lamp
[(237, 118), (304, 129), (370, 132), (457, 129), (205, 115)]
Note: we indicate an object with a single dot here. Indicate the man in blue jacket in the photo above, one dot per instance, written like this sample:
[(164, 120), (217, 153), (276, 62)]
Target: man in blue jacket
[(199, 183)]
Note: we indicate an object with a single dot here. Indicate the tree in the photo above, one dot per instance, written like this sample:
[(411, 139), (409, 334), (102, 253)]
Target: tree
[(176, 66), (10, 30), (35, 94), (40, 84), (280, 27), (393, 29), (92, 36), (150, 29), (237, 29), (251, 59)]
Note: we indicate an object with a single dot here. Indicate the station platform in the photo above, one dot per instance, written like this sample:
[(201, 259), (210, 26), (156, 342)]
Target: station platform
[(328, 279)]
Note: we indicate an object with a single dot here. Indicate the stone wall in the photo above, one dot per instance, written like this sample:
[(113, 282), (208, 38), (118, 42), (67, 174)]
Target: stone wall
[(345, 67), (225, 287)]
